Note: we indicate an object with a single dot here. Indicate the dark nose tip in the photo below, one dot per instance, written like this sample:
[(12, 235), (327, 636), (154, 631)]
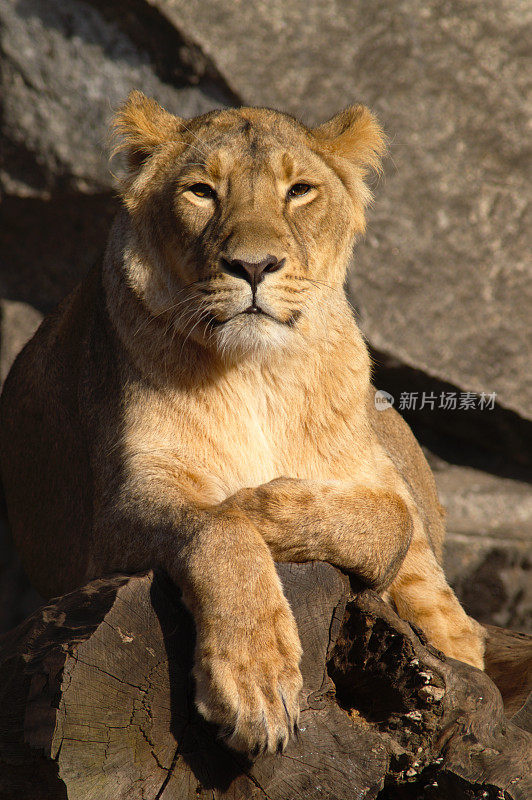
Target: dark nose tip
[(252, 271)]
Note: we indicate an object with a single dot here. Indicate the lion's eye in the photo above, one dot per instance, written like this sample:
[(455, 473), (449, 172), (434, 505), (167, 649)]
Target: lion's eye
[(202, 190), (299, 189)]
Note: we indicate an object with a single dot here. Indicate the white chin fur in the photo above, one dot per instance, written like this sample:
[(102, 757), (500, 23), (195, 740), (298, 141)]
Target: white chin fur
[(250, 335)]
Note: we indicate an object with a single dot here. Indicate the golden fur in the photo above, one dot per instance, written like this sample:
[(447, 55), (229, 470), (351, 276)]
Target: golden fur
[(155, 421)]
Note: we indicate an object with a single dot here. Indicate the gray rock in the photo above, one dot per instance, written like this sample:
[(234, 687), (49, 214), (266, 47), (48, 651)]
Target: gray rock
[(65, 67), (47, 246), (442, 281), (18, 323), (488, 557)]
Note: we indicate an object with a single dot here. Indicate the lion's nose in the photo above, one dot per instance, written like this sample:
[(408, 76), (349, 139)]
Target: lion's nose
[(252, 271)]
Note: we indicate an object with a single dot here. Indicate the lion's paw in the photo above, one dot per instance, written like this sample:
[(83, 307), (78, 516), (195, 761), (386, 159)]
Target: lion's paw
[(248, 680)]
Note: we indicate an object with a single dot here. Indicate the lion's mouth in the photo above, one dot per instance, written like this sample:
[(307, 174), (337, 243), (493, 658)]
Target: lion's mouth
[(254, 309)]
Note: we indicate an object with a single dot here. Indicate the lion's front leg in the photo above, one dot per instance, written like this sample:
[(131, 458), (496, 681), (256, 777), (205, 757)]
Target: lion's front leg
[(363, 530), (373, 532), (248, 651), (247, 645)]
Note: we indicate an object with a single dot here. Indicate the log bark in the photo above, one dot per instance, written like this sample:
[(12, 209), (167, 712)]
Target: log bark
[(97, 704)]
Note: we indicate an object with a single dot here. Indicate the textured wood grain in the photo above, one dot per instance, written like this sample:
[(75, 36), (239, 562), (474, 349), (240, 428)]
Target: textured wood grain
[(97, 703)]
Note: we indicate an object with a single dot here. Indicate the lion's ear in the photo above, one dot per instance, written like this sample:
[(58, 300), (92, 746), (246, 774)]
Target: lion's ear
[(140, 126), (354, 134)]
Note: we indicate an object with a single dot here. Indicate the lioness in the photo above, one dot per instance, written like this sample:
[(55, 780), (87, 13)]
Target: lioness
[(202, 403)]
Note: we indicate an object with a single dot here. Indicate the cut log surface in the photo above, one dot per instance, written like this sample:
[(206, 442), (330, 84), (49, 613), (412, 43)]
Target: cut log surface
[(97, 704)]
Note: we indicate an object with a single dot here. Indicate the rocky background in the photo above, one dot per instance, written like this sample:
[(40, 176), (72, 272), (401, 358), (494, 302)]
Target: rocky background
[(440, 284)]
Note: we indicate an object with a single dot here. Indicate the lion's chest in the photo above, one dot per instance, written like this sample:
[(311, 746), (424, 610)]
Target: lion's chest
[(245, 446), (243, 437), (248, 444), (248, 452)]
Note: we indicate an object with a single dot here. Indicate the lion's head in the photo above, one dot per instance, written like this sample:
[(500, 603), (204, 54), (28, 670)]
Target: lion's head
[(243, 220)]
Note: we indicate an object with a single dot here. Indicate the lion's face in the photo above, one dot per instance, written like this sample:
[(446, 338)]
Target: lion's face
[(245, 221)]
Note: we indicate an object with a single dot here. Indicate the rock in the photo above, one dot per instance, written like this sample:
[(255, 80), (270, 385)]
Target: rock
[(442, 281), (487, 550), (461, 426), (47, 246), (18, 323), (65, 69)]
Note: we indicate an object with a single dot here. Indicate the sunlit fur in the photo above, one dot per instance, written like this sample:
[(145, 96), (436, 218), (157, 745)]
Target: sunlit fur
[(150, 423)]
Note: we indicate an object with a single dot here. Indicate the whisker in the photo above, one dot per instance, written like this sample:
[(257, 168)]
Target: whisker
[(151, 317), (200, 318), (315, 282)]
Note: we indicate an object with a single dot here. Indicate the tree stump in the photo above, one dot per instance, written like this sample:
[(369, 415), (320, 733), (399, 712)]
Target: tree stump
[(97, 704)]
